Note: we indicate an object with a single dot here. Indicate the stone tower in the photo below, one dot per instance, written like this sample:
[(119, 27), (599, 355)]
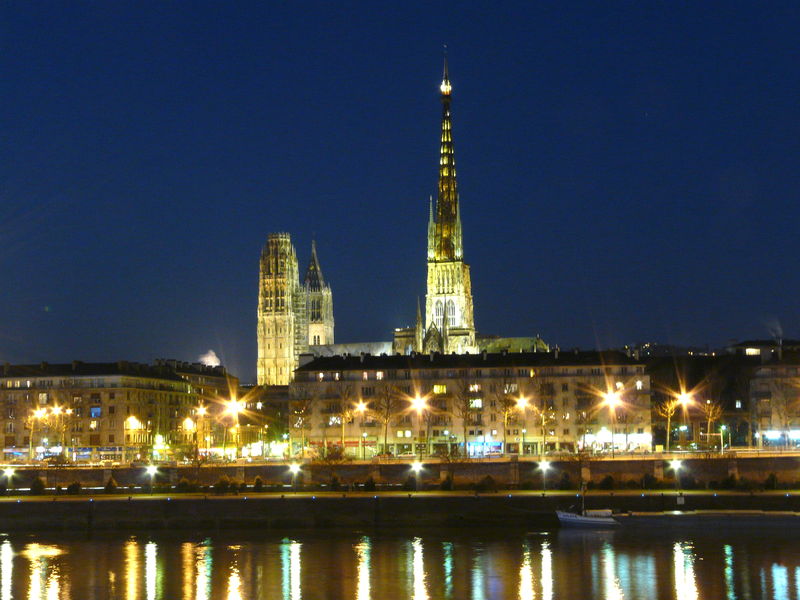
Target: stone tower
[(449, 323), (282, 312), (319, 302)]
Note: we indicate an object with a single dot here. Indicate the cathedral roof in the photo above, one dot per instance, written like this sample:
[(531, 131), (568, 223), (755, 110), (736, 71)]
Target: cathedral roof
[(315, 282)]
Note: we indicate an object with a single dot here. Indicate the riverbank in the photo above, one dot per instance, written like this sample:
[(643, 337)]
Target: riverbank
[(290, 511)]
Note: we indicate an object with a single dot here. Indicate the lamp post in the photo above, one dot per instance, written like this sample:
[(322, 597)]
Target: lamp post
[(543, 466), (201, 412), (132, 424), (361, 409), (676, 467), (522, 405), (234, 407), (420, 405), (152, 470), (684, 399), (190, 429), (524, 431), (9, 474), (612, 400), (36, 415), (294, 469)]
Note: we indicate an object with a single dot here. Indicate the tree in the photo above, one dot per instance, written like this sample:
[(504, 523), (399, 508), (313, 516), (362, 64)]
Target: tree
[(463, 408), (386, 406), (301, 410), (712, 411), (667, 409), (345, 410)]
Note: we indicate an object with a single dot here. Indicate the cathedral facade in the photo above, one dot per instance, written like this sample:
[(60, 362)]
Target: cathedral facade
[(291, 315)]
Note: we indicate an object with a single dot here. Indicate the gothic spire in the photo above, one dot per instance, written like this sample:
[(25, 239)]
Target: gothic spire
[(447, 244), (314, 280)]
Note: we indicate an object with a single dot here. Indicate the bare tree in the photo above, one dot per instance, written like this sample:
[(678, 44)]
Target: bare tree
[(301, 409), (463, 408), (712, 411), (385, 407), (667, 410), (345, 409)]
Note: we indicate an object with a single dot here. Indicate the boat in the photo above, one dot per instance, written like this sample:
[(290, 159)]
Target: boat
[(598, 519)]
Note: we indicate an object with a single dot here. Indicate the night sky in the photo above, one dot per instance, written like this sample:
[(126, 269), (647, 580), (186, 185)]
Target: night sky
[(627, 173)]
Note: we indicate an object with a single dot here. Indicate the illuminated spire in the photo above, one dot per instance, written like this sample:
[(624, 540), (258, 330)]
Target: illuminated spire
[(447, 245), (314, 279)]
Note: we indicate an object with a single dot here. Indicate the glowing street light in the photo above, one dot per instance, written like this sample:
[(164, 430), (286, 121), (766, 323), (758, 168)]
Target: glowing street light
[(416, 466), (294, 469), (9, 472), (612, 399), (420, 405), (544, 465), (152, 471), (234, 407), (676, 465)]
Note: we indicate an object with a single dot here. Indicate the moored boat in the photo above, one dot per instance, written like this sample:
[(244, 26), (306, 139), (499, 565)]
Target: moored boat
[(597, 519)]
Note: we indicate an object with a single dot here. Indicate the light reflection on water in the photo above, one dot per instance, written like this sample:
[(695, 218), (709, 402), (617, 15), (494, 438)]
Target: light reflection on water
[(620, 566)]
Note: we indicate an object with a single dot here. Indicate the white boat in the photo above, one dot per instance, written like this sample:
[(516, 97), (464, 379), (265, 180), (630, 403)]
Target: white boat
[(597, 519)]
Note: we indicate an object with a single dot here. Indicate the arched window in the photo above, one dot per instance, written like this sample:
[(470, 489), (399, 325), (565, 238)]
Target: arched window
[(451, 313), (438, 313)]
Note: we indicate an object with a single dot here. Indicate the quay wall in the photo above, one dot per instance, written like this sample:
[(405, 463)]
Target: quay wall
[(563, 472)]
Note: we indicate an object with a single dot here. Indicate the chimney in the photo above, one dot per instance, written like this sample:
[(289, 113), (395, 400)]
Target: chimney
[(555, 353), (43, 366), (6, 368), (75, 364), (484, 354)]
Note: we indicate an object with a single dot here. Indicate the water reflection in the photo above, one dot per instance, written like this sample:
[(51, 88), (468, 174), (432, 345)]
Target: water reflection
[(685, 585), (363, 573), (619, 566)]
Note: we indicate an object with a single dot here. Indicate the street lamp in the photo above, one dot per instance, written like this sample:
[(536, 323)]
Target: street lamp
[(152, 471), (234, 407), (544, 466), (201, 412), (37, 415), (676, 464), (684, 399), (522, 405), (612, 400), (129, 424), (294, 469), (420, 405), (524, 431)]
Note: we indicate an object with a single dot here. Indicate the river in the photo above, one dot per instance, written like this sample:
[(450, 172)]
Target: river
[(477, 564)]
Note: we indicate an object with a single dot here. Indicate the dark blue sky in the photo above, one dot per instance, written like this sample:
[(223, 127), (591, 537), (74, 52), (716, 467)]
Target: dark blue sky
[(627, 172)]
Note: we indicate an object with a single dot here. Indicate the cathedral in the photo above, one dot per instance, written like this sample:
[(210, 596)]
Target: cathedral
[(449, 325), (291, 316), (295, 318)]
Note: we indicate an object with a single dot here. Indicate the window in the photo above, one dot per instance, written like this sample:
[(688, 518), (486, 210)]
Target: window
[(320, 376), (474, 387), (738, 404), (566, 431), (439, 388), (110, 438), (379, 375), (112, 410), (42, 397), (564, 387), (510, 388), (639, 384), (337, 376), (476, 403), (438, 313), (95, 412), (367, 392), (451, 313), (364, 376)]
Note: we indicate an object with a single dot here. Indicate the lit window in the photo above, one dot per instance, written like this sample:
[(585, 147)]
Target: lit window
[(364, 376), (738, 404), (320, 376), (619, 385), (510, 388), (336, 376), (42, 397), (474, 387), (93, 425), (379, 375), (408, 433), (476, 403), (439, 388), (752, 351), (639, 384)]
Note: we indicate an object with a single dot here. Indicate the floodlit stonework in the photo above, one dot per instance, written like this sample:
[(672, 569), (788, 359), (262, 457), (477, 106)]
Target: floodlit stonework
[(291, 315)]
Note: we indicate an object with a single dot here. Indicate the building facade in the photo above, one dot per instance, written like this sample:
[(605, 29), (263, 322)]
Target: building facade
[(775, 403), (291, 316), (474, 404), (119, 411)]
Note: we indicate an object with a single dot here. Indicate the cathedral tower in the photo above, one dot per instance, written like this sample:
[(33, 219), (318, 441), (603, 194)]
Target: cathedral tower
[(449, 324), (319, 302), (282, 312)]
